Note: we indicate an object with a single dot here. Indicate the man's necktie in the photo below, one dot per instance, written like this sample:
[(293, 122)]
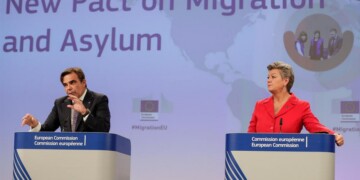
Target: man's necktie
[(74, 115)]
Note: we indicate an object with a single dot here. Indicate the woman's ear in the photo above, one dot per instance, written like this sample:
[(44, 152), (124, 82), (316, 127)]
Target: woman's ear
[(286, 80)]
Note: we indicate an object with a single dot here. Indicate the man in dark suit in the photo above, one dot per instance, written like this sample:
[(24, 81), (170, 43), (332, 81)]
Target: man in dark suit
[(81, 110), (335, 43)]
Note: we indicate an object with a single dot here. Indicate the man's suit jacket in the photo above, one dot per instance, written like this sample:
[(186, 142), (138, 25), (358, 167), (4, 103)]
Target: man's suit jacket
[(334, 45), (97, 121), (295, 114)]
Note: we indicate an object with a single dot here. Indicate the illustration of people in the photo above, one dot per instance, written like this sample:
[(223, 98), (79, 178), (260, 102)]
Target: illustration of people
[(300, 43), (335, 43), (316, 47)]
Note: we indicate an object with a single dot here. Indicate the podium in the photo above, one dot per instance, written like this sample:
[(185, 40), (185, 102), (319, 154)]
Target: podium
[(55, 155), (280, 156)]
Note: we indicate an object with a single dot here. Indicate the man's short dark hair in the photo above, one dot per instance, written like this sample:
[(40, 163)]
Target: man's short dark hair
[(78, 71)]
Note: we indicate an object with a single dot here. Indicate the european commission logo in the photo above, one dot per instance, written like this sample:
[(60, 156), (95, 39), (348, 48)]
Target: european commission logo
[(149, 110), (349, 111)]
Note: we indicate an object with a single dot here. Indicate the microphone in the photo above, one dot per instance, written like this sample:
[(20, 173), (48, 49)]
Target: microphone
[(281, 123), (68, 102), (321, 132)]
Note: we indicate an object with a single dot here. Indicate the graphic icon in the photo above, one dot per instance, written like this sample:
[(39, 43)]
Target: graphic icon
[(349, 111), (149, 110), (318, 44)]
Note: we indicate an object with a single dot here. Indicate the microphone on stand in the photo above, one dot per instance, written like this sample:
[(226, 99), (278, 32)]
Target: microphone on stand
[(281, 123), (68, 102)]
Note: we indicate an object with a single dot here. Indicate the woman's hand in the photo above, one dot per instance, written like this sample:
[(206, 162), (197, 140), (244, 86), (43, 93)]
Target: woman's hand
[(339, 139)]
